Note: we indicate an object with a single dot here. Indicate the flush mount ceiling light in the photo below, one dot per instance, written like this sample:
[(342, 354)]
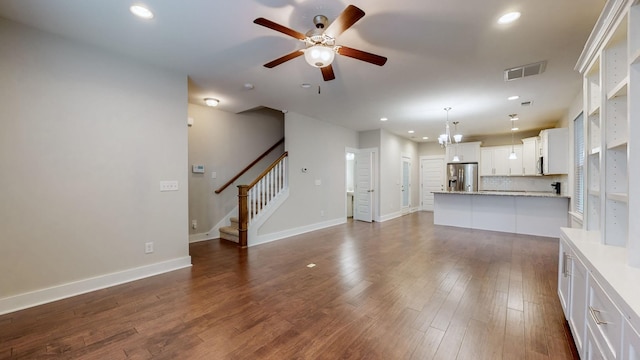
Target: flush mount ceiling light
[(425, 138), (411, 131), (509, 18), (211, 102), (383, 119), (514, 97), (141, 11)]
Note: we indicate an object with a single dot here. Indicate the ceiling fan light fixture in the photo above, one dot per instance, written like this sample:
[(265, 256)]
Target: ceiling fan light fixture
[(319, 55)]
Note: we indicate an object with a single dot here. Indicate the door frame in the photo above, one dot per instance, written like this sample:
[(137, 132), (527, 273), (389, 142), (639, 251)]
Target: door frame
[(444, 173)]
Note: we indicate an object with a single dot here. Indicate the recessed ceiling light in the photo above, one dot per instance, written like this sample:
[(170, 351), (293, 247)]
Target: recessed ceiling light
[(411, 131), (425, 138), (509, 18), (383, 119), (514, 97), (141, 11), (305, 85), (514, 129), (248, 86), (211, 102), (515, 118)]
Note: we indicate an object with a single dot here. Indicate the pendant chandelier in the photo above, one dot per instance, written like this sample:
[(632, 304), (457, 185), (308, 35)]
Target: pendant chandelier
[(445, 138)]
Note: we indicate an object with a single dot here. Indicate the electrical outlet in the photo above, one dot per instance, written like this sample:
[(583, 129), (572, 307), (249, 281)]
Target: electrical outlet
[(148, 247), (169, 185), (194, 224)]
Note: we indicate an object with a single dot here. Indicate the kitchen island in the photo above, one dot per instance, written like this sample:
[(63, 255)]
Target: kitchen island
[(520, 212)]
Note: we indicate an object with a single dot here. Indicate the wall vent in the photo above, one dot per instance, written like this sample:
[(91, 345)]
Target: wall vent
[(525, 70)]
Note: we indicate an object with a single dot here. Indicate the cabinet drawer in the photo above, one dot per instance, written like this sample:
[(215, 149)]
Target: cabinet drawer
[(631, 343), (593, 351), (605, 320)]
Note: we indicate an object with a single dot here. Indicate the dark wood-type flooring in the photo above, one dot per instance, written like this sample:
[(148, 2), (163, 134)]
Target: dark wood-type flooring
[(402, 289)]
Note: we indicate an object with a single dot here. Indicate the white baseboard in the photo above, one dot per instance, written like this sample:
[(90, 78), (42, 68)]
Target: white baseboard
[(43, 296), (391, 216), (265, 238)]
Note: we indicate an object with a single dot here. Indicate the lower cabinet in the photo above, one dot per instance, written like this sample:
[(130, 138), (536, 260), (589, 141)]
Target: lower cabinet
[(600, 329)]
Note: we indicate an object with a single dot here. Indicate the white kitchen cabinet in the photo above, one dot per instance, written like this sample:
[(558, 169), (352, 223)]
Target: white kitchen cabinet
[(530, 156), (598, 296), (555, 151), (467, 151), (516, 165), (631, 342), (494, 161), (572, 291)]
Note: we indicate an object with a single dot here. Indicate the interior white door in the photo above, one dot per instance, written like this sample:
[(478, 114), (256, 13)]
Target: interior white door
[(364, 186), (405, 188), (432, 176)]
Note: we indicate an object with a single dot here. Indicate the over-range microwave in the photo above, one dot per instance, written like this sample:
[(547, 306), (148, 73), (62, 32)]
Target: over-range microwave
[(540, 166)]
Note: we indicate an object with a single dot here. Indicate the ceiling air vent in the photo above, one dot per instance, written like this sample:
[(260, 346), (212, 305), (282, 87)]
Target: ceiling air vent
[(526, 103), (525, 70)]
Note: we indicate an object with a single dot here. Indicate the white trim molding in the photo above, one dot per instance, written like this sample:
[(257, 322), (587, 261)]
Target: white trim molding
[(54, 293), (265, 238)]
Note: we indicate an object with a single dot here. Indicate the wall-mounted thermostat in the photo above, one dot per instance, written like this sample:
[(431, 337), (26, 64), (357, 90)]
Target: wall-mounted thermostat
[(197, 169)]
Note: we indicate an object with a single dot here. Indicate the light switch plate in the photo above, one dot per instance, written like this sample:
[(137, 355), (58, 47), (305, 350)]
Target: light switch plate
[(169, 185)]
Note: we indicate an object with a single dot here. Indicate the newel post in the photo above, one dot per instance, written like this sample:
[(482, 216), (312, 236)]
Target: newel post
[(243, 214)]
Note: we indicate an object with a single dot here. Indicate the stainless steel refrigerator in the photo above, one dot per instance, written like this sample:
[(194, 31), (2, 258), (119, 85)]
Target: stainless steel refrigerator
[(462, 176)]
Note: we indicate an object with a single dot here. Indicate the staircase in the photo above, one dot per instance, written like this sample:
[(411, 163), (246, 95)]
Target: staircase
[(231, 233), (257, 200)]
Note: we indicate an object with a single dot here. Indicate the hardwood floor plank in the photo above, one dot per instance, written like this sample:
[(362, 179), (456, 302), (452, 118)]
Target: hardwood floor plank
[(402, 289)]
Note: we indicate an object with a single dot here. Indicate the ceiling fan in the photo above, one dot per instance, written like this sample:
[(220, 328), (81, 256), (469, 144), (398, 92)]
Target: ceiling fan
[(320, 43)]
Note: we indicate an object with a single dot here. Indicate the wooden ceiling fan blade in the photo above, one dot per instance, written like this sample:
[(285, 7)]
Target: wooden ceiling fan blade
[(277, 27), (345, 20), (282, 59), (362, 55), (327, 73)]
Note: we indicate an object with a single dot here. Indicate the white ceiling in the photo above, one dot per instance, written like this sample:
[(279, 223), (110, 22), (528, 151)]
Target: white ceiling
[(441, 54)]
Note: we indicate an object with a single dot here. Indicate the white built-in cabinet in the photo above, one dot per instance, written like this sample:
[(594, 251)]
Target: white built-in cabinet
[(608, 245), (467, 152), (494, 161), (531, 156)]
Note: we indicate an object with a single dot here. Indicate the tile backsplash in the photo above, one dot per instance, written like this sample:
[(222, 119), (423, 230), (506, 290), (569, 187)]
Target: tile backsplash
[(523, 183)]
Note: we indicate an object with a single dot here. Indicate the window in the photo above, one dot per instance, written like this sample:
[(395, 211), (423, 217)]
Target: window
[(578, 161)]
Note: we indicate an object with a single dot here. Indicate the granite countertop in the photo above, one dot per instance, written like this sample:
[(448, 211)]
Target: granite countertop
[(506, 193)]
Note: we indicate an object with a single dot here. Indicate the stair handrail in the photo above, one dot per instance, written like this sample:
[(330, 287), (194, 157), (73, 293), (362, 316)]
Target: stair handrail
[(248, 167), (244, 217)]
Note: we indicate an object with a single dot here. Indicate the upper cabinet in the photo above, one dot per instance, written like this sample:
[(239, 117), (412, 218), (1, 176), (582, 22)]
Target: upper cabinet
[(531, 156), (555, 151), (467, 152), (494, 161)]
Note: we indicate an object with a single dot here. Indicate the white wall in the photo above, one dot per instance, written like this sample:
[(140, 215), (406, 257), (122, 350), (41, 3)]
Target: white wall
[(320, 147), (86, 136), (225, 143)]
